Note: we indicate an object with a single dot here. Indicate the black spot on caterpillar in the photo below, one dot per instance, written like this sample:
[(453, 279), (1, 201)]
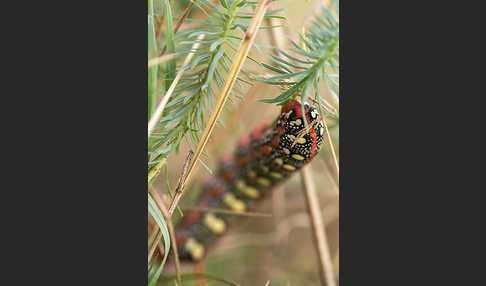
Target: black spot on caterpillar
[(263, 159)]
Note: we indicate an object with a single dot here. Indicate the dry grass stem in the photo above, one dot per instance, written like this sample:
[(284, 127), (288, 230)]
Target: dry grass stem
[(160, 60), (233, 73), (277, 34), (331, 148), (327, 106), (154, 245), (160, 108), (331, 172), (163, 209), (153, 235), (336, 264), (180, 183), (318, 228), (223, 211)]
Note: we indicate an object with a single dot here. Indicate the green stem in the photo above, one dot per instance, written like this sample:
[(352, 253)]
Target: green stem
[(226, 28), (152, 71)]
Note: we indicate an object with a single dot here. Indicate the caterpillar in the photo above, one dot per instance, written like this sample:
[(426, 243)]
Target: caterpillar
[(266, 157)]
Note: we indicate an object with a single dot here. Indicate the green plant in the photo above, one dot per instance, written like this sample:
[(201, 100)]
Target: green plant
[(299, 69), (204, 76), (317, 60)]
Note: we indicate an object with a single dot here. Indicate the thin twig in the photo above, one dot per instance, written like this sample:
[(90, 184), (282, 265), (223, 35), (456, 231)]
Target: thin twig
[(160, 108), (318, 228), (153, 235), (180, 183), (160, 60), (163, 209), (330, 169), (156, 241), (232, 75), (268, 283), (179, 23), (155, 231), (161, 248), (277, 34), (230, 212), (154, 245), (327, 106), (336, 264), (331, 148)]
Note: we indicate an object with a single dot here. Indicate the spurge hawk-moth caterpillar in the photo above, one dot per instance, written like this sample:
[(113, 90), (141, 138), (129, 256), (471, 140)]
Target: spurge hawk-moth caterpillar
[(266, 157)]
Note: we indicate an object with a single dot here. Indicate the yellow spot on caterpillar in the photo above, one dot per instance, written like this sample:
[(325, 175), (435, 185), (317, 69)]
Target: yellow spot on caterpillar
[(278, 161), (301, 140), (297, 157), (235, 204), (263, 181), (264, 169), (275, 175), (214, 223), (288, 167), (297, 122), (286, 151), (251, 174), (248, 191), (194, 248), (251, 192)]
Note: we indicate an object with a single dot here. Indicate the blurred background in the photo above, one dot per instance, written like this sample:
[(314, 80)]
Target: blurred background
[(279, 248)]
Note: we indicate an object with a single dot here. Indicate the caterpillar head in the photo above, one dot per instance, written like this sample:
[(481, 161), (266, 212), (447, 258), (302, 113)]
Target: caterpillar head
[(296, 141)]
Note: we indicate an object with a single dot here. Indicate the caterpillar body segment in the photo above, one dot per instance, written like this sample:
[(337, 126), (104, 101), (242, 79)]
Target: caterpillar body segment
[(266, 157)]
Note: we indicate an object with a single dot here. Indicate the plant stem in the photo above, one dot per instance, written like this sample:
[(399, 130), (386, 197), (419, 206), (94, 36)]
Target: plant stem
[(152, 71), (331, 148), (318, 228), (163, 209), (230, 212), (179, 23), (240, 58), (180, 183), (160, 60), (160, 108), (154, 245)]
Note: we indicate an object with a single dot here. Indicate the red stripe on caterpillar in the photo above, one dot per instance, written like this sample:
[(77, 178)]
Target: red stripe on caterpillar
[(263, 159)]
